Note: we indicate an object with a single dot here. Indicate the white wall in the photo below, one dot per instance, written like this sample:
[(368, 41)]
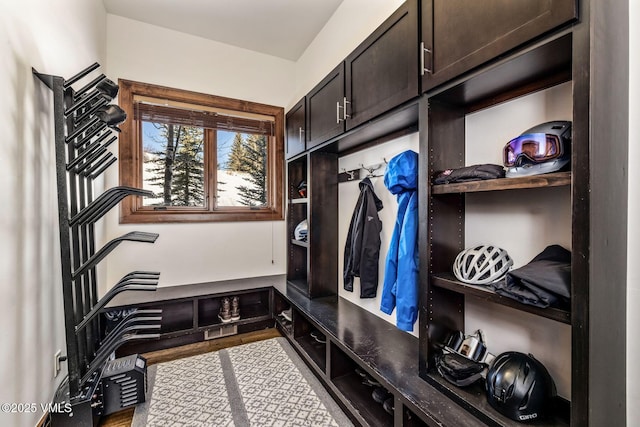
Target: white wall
[(348, 193), (350, 24), (59, 38), (633, 254), (195, 253)]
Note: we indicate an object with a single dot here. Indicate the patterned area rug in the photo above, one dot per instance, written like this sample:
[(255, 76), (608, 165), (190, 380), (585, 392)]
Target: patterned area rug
[(259, 384)]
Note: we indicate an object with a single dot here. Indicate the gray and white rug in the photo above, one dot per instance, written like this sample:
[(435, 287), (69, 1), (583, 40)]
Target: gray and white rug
[(258, 384)]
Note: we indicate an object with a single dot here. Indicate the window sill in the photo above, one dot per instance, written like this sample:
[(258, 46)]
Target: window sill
[(159, 217)]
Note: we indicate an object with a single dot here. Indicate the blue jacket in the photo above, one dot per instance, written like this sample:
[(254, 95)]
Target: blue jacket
[(400, 288)]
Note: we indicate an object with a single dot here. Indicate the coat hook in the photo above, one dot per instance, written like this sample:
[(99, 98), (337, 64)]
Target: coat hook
[(349, 173)]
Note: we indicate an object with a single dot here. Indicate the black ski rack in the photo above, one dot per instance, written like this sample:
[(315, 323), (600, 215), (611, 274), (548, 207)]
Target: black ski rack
[(81, 141)]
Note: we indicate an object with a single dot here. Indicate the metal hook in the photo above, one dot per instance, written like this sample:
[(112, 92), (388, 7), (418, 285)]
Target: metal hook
[(350, 173)]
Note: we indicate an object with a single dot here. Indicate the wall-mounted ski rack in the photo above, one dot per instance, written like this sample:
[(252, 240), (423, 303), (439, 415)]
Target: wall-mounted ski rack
[(84, 124)]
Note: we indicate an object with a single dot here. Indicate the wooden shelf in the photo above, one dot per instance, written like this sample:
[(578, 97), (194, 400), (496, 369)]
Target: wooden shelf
[(358, 338), (299, 243), (315, 350), (248, 314), (359, 395), (474, 398), (300, 285), (557, 179), (448, 281)]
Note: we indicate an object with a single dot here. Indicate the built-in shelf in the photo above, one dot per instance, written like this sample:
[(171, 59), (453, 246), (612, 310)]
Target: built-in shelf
[(448, 281), (299, 285), (474, 398), (315, 350), (299, 201), (557, 179), (299, 243)]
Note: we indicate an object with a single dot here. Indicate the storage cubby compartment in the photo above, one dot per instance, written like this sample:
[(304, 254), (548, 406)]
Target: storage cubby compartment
[(312, 341), (253, 305), (297, 173), (282, 313), (410, 419), (350, 383), (469, 124), (176, 316)]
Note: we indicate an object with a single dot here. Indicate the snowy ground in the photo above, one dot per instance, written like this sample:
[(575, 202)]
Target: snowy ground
[(227, 188)]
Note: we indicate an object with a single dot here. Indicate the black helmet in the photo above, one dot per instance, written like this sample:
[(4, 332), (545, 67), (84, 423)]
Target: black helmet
[(519, 386)]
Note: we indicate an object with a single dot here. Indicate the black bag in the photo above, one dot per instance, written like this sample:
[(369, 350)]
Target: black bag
[(470, 173)]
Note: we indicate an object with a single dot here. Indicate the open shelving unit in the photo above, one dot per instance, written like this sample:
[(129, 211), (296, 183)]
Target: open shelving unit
[(558, 47), (192, 318), (356, 338), (555, 179), (549, 63)]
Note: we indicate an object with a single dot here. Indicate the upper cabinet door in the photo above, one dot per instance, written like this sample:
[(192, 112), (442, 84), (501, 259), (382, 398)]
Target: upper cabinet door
[(296, 129), (459, 35), (325, 108), (383, 71)]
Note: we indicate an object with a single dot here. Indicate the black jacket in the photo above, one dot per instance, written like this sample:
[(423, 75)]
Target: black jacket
[(544, 282), (362, 249)]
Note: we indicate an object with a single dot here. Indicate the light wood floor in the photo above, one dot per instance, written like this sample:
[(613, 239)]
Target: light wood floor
[(124, 418)]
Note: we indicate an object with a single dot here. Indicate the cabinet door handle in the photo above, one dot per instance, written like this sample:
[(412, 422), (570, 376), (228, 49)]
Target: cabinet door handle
[(300, 131), (344, 109), (423, 68), (345, 116)]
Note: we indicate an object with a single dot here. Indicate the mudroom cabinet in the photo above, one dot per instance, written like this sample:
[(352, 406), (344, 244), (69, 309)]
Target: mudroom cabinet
[(380, 74), (479, 57), (458, 35), (326, 111), (295, 130), (312, 266)]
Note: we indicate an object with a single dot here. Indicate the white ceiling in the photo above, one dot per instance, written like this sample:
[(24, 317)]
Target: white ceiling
[(282, 28)]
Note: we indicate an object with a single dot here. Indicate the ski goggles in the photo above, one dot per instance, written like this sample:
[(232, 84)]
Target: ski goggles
[(535, 147)]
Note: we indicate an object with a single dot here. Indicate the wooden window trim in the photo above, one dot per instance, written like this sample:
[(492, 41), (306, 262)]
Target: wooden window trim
[(130, 160)]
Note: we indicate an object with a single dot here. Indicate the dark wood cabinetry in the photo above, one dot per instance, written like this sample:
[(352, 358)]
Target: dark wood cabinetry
[(325, 108), (312, 265), (459, 35), (295, 128), (190, 313), (379, 75), (480, 55), (358, 343), (382, 72)]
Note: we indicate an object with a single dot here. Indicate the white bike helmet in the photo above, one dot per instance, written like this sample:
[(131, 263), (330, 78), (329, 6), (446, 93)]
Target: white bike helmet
[(482, 265), (300, 232)]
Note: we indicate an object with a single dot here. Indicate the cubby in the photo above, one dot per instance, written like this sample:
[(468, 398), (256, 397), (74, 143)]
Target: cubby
[(312, 341), (410, 419), (312, 266), (280, 306), (349, 383), (252, 305), (190, 313), (547, 67)]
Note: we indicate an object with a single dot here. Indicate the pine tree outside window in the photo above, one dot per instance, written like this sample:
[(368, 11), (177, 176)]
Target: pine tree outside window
[(205, 158)]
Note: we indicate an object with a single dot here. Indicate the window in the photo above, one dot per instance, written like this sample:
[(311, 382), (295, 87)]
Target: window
[(204, 157)]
